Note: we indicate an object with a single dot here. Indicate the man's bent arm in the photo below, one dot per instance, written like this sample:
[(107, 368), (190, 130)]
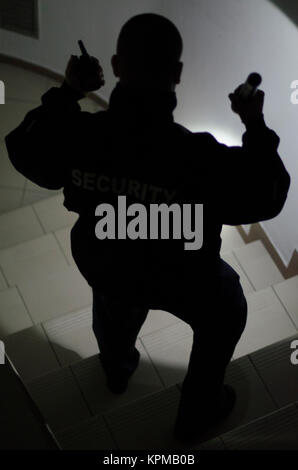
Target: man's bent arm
[(40, 147)]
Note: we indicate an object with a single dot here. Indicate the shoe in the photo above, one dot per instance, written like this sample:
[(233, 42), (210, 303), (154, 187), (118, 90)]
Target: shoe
[(117, 379), (188, 429)]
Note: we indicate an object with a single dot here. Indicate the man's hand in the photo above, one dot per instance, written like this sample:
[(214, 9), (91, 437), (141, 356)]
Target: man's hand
[(84, 74), (249, 109)]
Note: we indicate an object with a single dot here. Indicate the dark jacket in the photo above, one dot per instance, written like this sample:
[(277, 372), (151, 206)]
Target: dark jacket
[(136, 149)]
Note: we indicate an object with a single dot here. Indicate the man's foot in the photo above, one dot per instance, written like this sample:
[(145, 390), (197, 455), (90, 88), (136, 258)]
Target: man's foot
[(188, 429), (117, 379)]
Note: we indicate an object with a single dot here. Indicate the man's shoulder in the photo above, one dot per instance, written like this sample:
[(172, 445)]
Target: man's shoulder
[(203, 137)]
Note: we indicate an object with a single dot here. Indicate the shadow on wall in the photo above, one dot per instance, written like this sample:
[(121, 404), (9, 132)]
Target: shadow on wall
[(289, 8)]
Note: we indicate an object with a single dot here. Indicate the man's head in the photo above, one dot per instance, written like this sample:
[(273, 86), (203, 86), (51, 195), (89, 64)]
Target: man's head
[(148, 54)]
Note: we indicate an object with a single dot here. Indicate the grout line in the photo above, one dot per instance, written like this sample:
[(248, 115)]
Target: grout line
[(23, 193), (4, 277), (38, 219), (153, 365), (14, 188), (247, 276), (161, 328), (110, 430), (262, 380), (25, 305), (51, 346), (61, 248), (288, 313), (81, 391)]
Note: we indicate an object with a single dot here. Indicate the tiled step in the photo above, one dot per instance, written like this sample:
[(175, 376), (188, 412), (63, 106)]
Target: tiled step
[(92, 381), (31, 353), (51, 295), (143, 417), (246, 284), (53, 215), (277, 372), (14, 316), (22, 426), (92, 434), (258, 265), (276, 431), (287, 292), (31, 259), (147, 423), (253, 398), (231, 239), (59, 399), (19, 226), (169, 349), (72, 337), (32, 221), (166, 338), (267, 322)]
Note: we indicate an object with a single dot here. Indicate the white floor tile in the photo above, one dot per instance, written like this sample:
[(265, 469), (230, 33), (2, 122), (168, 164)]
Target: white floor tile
[(277, 372), (53, 215), (10, 199), (19, 226), (63, 237), (72, 336), (22, 84), (59, 399), (287, 291), (232, 261), (31, 353), (253, 399), (89, 435), (231, 239), (13, 313), (36, 257), (267, 323), (50, 296), (31, 197), (92, 380), (277, 431), (169, 349), (147, 423), (12, 113), (9, 176), (258, 265), (156, 320)]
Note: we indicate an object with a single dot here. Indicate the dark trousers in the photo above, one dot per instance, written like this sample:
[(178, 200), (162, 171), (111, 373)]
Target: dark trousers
[(217, 316)]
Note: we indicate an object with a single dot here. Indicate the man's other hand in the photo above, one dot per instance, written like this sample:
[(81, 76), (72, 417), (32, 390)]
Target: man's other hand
[(248, 109), (84, 74)]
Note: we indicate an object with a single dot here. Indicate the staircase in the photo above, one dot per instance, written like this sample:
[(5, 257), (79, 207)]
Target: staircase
[(45, 323)]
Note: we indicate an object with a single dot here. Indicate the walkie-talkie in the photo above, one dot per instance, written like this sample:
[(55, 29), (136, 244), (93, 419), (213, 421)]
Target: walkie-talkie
[(83, 49), (88, 61)]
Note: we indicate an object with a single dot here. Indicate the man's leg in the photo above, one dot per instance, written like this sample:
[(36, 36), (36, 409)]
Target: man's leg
[(116, 327), (217, 328)]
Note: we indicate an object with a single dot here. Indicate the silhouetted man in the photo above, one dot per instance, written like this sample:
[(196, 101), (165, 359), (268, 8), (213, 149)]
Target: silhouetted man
[(136, 149)]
